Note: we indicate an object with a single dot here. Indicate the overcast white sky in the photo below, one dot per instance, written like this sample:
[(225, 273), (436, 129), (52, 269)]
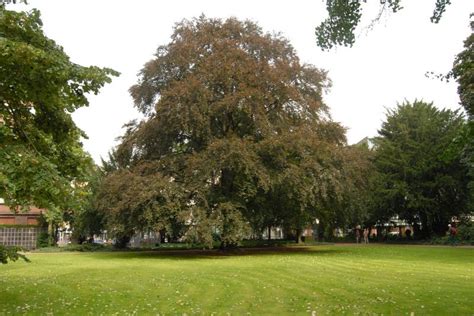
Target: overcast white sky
[(387, 65)]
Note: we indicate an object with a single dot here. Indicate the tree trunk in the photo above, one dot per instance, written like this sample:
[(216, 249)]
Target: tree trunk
[(227, 181), (269, 232), (425, 228), (298, 235), (320, 231), (416, 230), (162, 236), (440, 228), (50, 234), (379, 233)]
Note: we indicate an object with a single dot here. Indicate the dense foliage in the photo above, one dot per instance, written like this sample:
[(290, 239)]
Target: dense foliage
[(40, 149), (236, 138), (463, 73), (42, 159), (419, 178), (11, 254)]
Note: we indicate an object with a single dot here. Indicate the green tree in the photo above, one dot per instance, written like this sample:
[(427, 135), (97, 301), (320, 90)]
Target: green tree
[(345, 15), (236, 136), (463, 73), (42, 159), (86, 221), (419, 181)]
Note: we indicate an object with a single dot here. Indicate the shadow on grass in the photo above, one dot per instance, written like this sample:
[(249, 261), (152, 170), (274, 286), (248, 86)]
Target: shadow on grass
[(216, 253)]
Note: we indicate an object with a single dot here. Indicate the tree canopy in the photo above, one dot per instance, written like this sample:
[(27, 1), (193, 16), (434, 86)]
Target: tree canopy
[(420, 180), (236, 136), (463, 73), (42, 162), (40, 147)]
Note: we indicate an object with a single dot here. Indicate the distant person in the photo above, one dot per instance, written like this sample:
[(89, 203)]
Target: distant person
[(408, 233), (366, 236), (452, 233), (357, 232)]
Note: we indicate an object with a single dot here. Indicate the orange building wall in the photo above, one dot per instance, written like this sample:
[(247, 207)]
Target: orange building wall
[(32, 221), (7, 221)]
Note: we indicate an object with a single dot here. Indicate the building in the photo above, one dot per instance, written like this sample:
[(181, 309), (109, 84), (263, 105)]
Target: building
[(9, 217), (18, 228)]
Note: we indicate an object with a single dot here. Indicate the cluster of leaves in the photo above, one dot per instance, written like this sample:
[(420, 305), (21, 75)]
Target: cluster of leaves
[(11, 254), (463, 72), (344, 16), (466, 231), (237, 136)]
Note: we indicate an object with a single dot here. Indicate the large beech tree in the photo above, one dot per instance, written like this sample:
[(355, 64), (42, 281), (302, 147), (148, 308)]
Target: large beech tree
[(236, 136)]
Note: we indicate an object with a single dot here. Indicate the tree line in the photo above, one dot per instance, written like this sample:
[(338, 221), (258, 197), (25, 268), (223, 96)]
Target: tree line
[(236, 138)]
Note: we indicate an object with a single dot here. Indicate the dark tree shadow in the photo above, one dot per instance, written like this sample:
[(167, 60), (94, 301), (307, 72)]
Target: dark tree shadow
[(216, 253)]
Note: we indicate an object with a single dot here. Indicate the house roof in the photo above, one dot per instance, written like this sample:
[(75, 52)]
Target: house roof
[(5, 210)]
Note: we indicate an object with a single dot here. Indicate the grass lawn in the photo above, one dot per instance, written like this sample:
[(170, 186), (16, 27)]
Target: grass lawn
[(337, 279)]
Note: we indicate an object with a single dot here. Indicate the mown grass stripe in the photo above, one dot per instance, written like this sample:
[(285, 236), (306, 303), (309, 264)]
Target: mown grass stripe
[(325, 279)]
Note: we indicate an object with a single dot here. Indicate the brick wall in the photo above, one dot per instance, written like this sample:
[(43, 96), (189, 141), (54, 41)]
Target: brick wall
[(24, 237)]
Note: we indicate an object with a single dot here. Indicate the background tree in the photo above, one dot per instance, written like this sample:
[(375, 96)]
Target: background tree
[(236, 135), (41, 155), (463, 73), (86, 221), (356, 205), (345, 15), (419, 181)]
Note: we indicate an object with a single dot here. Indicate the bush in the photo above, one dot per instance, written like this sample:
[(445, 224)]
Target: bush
[(466, 232), (42, 240), (349, 238), (121, 242), (86, 247), (440, 241), (255, 243)]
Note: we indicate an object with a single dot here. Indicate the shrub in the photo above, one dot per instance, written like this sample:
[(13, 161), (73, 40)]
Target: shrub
[(466, 232), (42, 240), (86, 247)]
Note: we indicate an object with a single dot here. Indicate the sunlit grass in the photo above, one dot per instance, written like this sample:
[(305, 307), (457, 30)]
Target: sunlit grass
[(321, 279)]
